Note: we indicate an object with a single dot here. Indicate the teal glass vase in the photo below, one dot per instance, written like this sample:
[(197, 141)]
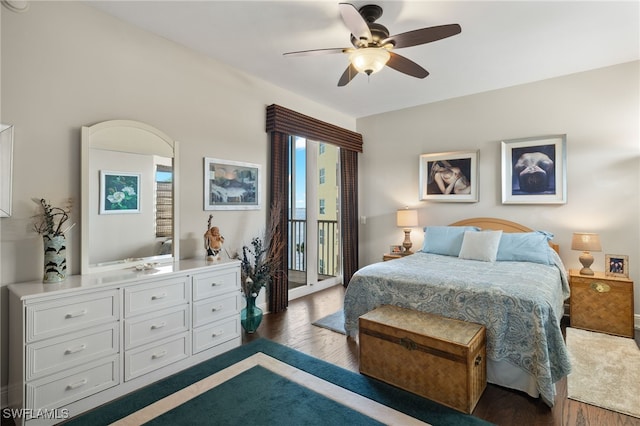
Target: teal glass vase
[(251, 316)]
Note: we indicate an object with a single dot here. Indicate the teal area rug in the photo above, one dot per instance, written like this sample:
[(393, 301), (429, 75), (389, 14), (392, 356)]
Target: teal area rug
[(260, 397), (333, 322), (300, 403)]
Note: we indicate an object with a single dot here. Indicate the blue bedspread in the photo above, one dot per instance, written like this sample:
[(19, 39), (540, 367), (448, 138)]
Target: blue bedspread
[(519, 303)]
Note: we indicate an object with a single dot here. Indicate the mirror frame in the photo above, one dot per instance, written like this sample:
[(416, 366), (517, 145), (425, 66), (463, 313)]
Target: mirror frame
[(116, 135)]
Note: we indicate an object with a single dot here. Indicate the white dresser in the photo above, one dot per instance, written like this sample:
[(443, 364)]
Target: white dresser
[(92, 338)]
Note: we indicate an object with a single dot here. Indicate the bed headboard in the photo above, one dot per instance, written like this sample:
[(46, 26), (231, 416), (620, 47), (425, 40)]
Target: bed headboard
[(499, 224)]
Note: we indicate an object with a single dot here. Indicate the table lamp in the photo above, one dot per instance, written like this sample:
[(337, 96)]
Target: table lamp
[(407, 219), (586, 242)]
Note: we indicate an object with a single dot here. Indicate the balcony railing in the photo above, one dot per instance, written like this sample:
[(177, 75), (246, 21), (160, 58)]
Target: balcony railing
[(327, 246)]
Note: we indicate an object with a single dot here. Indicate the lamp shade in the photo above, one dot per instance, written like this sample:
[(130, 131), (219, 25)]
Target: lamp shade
[(585, 241), (369, 60), (407, 218)]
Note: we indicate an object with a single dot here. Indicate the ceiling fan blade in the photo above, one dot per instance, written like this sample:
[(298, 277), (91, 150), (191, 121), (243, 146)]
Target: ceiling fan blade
[(316, 52), (347, 75), (406, 66), (422, 36), (355, 22)]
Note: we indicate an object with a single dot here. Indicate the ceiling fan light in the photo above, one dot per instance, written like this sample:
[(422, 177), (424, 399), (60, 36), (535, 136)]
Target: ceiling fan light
[(369, 60)]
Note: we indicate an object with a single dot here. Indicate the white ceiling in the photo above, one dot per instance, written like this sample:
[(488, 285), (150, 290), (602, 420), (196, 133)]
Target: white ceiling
[(502, 43)]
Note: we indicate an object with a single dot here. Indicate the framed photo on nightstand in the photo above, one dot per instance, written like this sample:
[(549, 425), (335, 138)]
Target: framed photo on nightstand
[(395, 249), (616, 265)]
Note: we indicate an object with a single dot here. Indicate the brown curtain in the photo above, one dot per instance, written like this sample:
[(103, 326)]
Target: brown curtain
[(349, 215), (282, 123), (279, 192)]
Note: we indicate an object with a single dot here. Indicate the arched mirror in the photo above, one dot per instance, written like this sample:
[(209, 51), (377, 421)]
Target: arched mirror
[(129, 173)]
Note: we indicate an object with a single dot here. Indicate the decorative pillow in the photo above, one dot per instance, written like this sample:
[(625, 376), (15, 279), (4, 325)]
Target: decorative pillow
[(445, 240), (480, 245), (525, 247)]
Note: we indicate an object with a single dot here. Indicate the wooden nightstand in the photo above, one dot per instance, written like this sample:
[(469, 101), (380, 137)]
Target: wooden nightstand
[(389, 256), (601, 303)]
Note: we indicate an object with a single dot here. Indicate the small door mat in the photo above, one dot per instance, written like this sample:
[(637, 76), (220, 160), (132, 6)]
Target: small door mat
[(333, 322)]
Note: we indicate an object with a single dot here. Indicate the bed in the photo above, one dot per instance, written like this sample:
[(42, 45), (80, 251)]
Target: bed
[(517, 292)]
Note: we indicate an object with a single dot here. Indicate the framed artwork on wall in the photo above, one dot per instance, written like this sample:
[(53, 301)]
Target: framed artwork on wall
[(534, 170), (616, 265), (6, 169), (119, 192), (231, 185), (449, 176)]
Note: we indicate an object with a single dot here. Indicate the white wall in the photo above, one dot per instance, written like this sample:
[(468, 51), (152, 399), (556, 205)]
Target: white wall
[(598, 110), (67, 65)]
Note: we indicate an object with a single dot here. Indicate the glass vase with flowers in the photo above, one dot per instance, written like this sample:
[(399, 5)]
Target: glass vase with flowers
[(259, 263)]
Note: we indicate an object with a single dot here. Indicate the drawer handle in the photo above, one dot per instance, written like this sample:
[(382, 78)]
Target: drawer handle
[(158, 296), (407, 343), (76, 349), (600, 287), (217, 333), (159, 354), (159, 325), (77, 384), (478, 360), (76, 314), (215, 284), (217, 308)]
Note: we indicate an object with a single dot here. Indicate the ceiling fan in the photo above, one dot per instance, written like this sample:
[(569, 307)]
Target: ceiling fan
[(373, 46)]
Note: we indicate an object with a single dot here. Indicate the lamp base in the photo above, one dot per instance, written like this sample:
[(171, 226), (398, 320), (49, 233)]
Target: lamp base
[(586, 271), (586, 259), (406, 244)]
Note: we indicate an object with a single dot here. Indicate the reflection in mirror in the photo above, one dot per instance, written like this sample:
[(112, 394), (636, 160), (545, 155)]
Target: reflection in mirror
[(6, 168), (129, 177)]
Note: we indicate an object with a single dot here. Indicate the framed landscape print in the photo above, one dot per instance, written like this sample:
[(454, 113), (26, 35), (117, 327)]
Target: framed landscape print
[(449, 176), (616, 265), (119, 192), (534, 170), (231, 185)]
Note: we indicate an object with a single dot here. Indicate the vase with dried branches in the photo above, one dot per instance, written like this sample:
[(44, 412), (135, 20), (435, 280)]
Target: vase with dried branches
[(260, 263), (51, 223)]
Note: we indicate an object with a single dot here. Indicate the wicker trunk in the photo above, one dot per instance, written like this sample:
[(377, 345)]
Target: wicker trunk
[(439, 358), (601, 303)]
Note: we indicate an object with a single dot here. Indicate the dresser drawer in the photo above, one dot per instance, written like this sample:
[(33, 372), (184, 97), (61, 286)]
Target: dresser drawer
[(214, 334), (55, 355), (215, 283), (210, 310), (53, 318), (152, 357), (71, 385), (157, 325), (144, 298)]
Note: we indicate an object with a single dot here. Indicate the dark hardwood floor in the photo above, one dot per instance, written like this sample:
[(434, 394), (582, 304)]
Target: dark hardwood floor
[(498, 405)]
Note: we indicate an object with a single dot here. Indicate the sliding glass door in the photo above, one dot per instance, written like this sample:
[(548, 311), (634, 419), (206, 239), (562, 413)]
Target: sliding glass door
[(314, 208)]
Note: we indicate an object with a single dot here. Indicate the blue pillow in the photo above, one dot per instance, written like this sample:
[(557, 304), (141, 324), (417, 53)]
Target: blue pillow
[(446, 240), (525, 247)]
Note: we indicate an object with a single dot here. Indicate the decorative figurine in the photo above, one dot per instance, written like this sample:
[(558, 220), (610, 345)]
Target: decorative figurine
[(213, 241)]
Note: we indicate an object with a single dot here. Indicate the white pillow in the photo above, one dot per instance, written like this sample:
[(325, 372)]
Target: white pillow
[(480, 245)]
